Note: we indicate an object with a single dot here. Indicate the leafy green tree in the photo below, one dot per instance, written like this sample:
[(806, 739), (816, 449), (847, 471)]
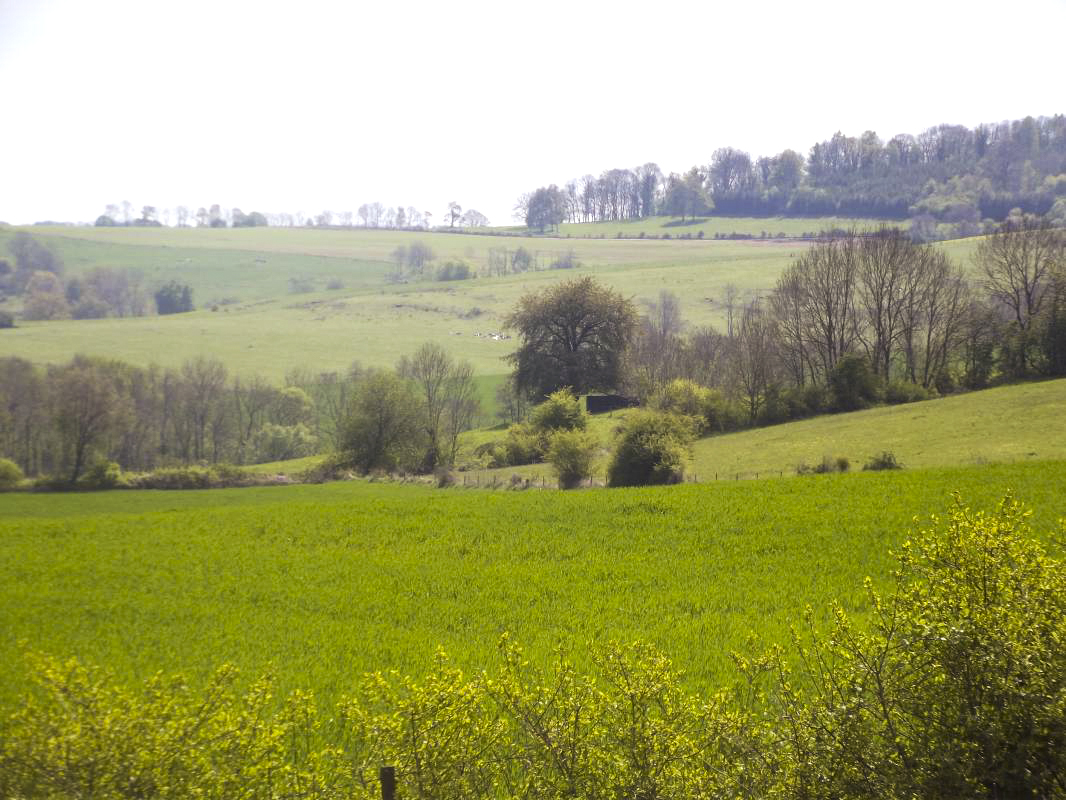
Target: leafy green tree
[(574, 334), (854, 383), (173, 298), (384, 429)]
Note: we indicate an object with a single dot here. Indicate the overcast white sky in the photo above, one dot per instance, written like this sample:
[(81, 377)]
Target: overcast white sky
[(287, 106)]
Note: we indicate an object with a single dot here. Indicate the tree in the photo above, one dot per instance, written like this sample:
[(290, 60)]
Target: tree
[(173, 298), (474, 219), (462, 406), (755, 357), (428, 371), (84, 406), (1018, 264), (545, 208), (45, 298), (383, 429), (574, 334), (31, 256), (454, 212)]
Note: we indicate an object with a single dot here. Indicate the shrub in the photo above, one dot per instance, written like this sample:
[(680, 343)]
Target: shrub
[(826, 465), (955, 689), (191, 477), (853, 383), (560, 412), (652, 449), (7, 320), (453, 271), (10, 474), (444, 477), (898, 392), (571, 454), (522, 446), (102, 475), (282, 442), (885, 460)]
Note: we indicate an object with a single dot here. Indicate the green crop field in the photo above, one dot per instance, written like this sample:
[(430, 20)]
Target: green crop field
[(268, 330), (326, 582)]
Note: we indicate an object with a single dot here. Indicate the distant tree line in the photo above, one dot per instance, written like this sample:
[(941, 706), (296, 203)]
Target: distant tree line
[(63, 419), (37, 277), (949, 174), (369, 215)]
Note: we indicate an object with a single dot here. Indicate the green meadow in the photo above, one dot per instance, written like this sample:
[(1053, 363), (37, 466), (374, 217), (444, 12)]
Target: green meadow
[(327, 582), (260, 326)]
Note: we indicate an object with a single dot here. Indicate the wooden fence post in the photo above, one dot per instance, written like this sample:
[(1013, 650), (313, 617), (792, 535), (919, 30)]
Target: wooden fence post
[(387, 775)]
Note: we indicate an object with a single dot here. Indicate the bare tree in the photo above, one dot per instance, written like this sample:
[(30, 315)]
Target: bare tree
[(462, 406), (754, 357), (1017, 263), (823, 280), (887, 274)]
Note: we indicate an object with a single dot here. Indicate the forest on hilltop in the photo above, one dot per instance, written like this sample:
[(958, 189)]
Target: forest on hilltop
[(947, 174)]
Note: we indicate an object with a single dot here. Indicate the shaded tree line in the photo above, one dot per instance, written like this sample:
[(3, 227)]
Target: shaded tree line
[(859, 319), (949, 173), (62, 419)]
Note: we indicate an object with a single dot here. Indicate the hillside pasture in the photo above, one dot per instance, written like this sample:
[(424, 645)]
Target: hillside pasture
[(1007, 424)]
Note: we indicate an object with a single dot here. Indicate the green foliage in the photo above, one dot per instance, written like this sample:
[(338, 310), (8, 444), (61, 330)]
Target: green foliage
[(103, 474), (383, 430), (283, 442), (560, 412), (709, 409), (523, 445), (957, 687), (898, 392), (854, 384), (192, 477), (652, 449), (173, 298), (571, 453), (10, 474)]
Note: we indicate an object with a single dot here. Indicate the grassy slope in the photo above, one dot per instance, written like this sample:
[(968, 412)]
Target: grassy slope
[(1005, 424), (325, 582)]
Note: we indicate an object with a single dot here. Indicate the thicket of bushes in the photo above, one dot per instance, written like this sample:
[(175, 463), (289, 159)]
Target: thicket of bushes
[(956, 687)]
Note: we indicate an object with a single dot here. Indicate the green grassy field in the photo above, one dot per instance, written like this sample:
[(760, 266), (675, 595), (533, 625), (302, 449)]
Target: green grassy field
[(326, 582), (269, 331)]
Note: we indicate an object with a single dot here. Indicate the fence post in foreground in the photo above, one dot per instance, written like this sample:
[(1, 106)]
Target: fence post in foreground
[(387, 775)]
